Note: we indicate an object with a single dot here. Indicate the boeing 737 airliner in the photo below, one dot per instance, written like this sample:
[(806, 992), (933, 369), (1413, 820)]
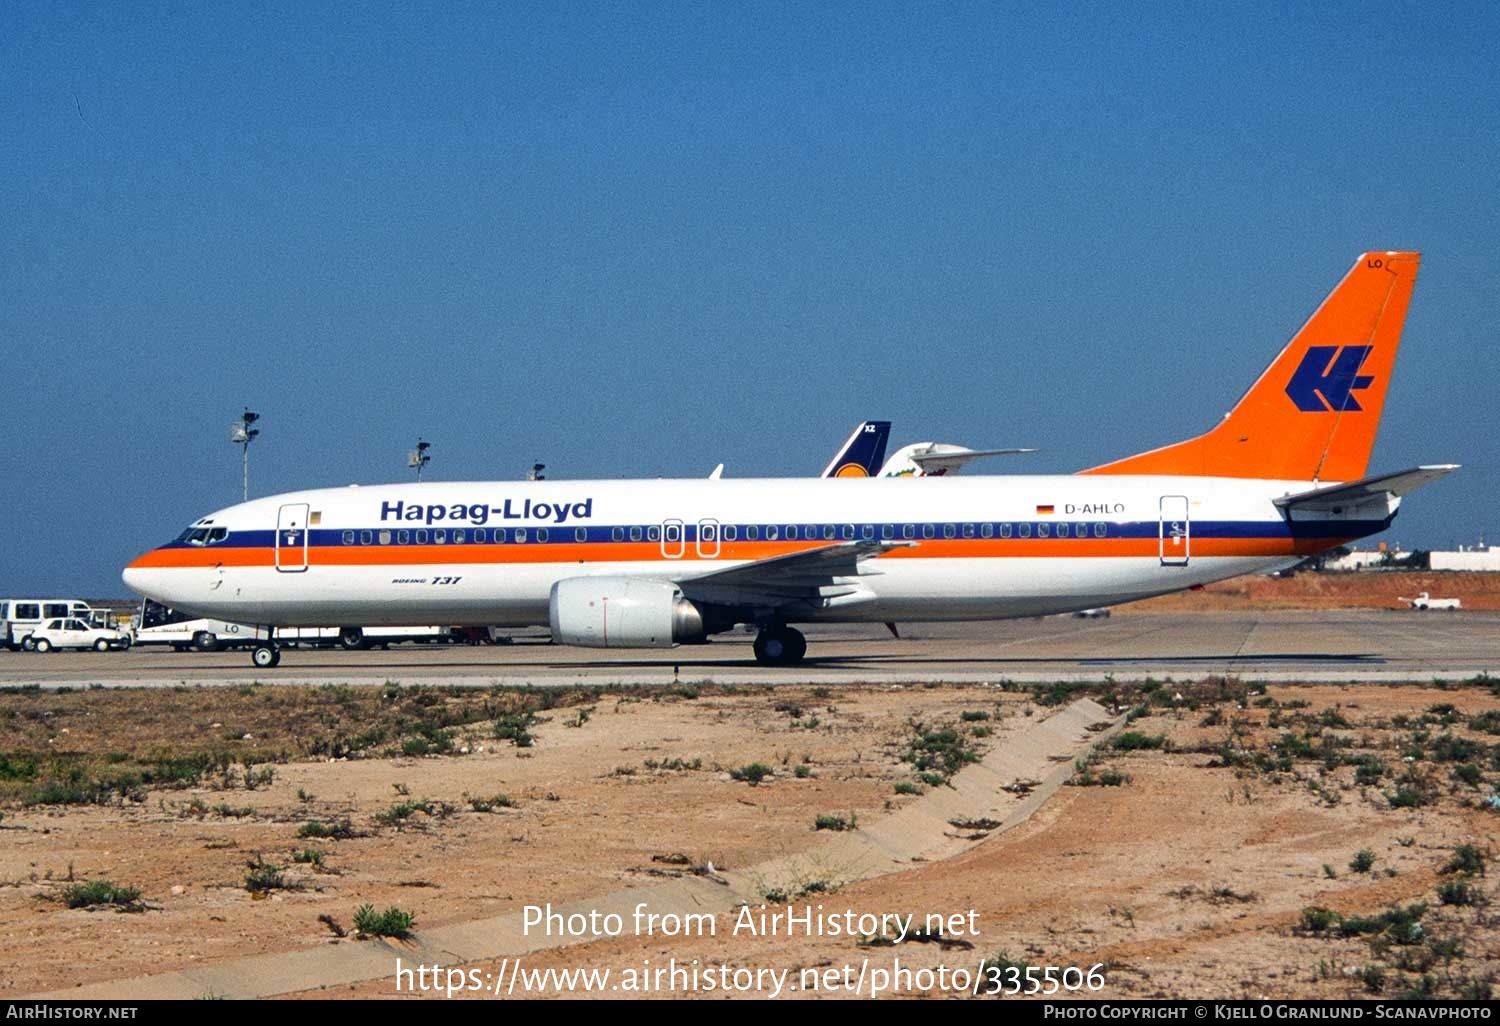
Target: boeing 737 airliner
[(656, 563)]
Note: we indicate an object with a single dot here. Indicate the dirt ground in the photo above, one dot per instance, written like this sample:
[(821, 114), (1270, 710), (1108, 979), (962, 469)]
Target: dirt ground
[(1363, 590), (1235, 816)]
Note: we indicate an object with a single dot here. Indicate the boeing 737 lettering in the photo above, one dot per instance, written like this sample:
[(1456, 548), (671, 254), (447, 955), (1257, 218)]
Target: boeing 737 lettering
[(650, 564)]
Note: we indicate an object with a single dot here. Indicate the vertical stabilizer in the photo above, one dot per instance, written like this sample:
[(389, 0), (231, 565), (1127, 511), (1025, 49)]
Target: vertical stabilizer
[(864, 452), (1312, 415)]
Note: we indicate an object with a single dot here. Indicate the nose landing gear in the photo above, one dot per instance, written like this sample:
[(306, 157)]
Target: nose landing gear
[(266, 654)]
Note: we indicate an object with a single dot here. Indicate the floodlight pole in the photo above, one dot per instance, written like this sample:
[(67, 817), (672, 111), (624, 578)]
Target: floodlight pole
[(418, 457), (242, 434)]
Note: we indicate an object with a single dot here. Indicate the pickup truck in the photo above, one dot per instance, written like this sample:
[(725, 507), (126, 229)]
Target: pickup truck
[(1424, 602)]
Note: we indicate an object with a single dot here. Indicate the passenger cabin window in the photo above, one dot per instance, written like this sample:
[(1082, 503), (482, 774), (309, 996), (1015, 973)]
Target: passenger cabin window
[(499, 536), (908, 530), (580, 534), (791, 532), (459, 536), (771, 532), (986, 530), (1100, 530), (365, 537), (1062, 530), (653, 533), (948, 531), (541, 534), (887, 531), (520, 535), (385, 537), (1041, 530), (731, 532), (403, 537), (617, 534), (348, 537), (440, 536), (752, 532), (479, 535), (868, 531), (927, 531), (1024, 531), (421, 536)]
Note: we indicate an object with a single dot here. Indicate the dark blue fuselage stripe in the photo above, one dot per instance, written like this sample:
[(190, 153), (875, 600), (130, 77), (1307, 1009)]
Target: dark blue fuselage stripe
[(599, 534)]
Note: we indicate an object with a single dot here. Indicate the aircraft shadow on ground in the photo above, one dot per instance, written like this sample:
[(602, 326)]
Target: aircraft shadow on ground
[(883, 660)]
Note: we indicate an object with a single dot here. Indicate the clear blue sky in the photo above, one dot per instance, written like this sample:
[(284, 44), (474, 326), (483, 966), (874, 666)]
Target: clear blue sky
[(641, 239)]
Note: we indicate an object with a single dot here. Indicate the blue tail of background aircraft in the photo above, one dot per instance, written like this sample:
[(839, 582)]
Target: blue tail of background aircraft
[(863, 454)]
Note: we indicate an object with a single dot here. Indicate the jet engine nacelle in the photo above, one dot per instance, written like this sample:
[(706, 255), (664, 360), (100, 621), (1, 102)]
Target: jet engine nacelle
[(621, 612)]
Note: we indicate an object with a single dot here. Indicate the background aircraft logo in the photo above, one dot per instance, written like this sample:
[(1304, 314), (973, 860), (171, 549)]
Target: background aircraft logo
[(1327, 378)]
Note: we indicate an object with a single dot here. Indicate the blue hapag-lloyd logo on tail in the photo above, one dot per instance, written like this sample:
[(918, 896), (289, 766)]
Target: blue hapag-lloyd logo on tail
[(1325, 382)]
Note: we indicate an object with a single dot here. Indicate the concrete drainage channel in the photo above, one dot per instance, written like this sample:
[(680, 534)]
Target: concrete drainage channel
[(984, 800)]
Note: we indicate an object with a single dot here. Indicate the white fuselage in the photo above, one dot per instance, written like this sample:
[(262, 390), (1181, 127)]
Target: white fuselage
[(489, 553)]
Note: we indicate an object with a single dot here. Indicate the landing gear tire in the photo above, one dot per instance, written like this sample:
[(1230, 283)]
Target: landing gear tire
[(203, 641), (780, 646), (265, 656)]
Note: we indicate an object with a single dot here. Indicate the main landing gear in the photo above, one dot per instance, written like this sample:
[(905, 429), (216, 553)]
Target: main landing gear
[(266, 654), (780, 645)]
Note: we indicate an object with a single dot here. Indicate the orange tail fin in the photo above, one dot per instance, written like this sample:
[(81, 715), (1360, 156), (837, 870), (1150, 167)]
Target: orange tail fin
[(1312, 415)]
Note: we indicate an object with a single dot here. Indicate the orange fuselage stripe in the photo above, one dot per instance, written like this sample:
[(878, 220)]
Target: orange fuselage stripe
[(651, 552)]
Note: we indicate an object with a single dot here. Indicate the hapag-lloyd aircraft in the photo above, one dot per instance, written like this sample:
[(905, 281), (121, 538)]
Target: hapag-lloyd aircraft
[(652, 563)]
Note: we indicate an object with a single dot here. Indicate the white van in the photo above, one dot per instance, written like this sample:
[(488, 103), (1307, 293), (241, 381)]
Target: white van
[(361, 638), (159, 625), (20, 618)]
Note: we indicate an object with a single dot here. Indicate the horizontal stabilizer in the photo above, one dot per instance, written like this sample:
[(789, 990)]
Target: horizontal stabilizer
[(1334, 498)]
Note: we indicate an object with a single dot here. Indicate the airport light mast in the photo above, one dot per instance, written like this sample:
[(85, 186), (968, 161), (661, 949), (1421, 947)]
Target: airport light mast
[(418, 457), (242, 434)]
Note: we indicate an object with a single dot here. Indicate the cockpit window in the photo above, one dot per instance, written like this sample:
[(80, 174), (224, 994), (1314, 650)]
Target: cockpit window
[(203, 535)]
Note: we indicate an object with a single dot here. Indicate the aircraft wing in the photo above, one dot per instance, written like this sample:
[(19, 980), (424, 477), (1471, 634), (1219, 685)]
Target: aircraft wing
[(942, 459), (821, 575), (1384, 489)]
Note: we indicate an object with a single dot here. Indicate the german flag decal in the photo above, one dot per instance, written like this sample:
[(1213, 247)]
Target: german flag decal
[(1046, 510)]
